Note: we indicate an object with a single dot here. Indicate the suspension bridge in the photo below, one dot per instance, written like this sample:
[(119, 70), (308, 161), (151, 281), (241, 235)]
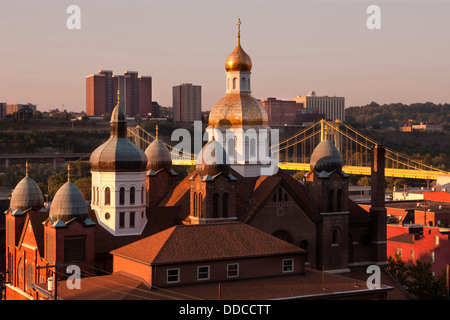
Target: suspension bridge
[(294, 152)]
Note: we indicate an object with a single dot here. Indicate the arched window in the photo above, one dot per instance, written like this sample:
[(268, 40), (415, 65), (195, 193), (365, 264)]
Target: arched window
[(122, 196), (98, 195), (225, 205), (335, 236), (107, 196), (132, 195), (243, 83), (93, 195), (200, 205), (330, 200), (280, 195), (339, 200), (142, 195), (234, 83), (195, 205), (215, 205)]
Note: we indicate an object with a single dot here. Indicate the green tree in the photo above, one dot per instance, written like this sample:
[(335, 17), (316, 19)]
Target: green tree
[(54, 183), (84, 185), (422, 283), (397, 268)]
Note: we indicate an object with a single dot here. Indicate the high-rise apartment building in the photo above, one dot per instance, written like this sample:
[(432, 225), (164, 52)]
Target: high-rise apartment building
[(281, 112), (332, 107), (187, 103), (135, 93)]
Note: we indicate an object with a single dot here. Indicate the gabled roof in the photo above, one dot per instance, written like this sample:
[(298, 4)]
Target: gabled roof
[(35, 218), (188, 243), (406, 238)]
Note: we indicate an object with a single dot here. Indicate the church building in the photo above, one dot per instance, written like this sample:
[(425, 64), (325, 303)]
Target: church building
[(225, 220)]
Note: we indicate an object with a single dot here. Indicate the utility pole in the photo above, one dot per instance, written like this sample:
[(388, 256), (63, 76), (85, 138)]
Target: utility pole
[(55, 277)]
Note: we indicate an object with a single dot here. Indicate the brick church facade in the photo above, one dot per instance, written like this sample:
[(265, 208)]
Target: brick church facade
[(141, 216)]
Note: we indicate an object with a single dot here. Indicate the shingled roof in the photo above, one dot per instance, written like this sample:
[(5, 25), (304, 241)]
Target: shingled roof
[(188, 243)]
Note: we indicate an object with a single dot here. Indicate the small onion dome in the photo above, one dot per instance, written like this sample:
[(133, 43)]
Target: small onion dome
[(326, 157), (158, 156), (212, 159), (118, 153), (68, 204), (27, 194), (238, 60), (238, 110)]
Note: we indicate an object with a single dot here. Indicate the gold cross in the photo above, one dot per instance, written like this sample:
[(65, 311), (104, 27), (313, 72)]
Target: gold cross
[(239, 27)]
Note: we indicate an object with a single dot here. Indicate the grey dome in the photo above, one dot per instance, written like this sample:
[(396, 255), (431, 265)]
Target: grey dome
[(158, 156), (27, 194), (207, 163), (326, 157), (68, 203), (118, 153)]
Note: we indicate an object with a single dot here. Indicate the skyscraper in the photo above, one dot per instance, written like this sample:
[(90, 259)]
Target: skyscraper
[(187, 102), (332, 107), (135, 92)]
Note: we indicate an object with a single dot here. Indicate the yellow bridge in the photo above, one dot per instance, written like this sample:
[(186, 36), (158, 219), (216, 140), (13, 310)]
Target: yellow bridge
[(295, 151)]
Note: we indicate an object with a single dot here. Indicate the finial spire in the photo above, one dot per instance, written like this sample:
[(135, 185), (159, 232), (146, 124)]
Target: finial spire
[(156, 131), (118, 96), (239, 30), (26, 168), (68, 172)]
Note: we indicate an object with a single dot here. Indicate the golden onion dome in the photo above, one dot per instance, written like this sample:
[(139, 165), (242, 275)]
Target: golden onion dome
[(238, 60), (239, 109)]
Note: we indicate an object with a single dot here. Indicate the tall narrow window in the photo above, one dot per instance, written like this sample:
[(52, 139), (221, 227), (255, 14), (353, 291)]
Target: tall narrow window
[(330, 200), (215, 205), (107, 196), (200, 205), (234, 83), (29, 274), (122, 196), (225, 205), (132, 219), (98, 196), (122, 220), (243, 83), (195, 205), (335, 237), (142, 195), (339, 200), (132, 195)]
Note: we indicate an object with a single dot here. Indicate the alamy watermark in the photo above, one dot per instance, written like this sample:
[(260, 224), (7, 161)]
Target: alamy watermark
[(249, 146), (374, 20), (73, 22)]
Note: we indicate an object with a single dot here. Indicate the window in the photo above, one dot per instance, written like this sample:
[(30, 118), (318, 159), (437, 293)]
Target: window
[(288, 265), (234, 83), (339, 200), (200, 205), (107, 196), (30, 274), (122, 196), (122, 220), (49, 248), (436, 240), (142, 195), (398, 252), (215, 205), (330, 200), (233, 270), (132, 195), (203, 273), (335, 237), (75, 249), (132, 219), (195, 205), (432, 255), (225, 205), (412, 254), (173, 275), (252, 148)]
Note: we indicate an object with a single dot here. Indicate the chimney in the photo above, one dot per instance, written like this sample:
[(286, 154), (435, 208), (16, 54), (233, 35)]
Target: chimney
[(378, 210)]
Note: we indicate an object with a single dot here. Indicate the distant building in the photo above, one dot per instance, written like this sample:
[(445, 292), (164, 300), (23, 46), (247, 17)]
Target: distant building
[(135, 93), (2, 110), (155, 109), (22, 111), (307, 117), (282, 112), (411, 242), (332, 107), (187, 103), (412, 125)]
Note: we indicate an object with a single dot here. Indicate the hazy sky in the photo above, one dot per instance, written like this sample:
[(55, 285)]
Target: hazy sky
[(296, 46)]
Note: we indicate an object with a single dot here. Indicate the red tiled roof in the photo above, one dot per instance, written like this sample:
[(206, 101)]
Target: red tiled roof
[(403, 238), (185, 243)]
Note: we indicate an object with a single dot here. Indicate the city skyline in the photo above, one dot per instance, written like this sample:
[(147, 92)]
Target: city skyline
[(295, 46)]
